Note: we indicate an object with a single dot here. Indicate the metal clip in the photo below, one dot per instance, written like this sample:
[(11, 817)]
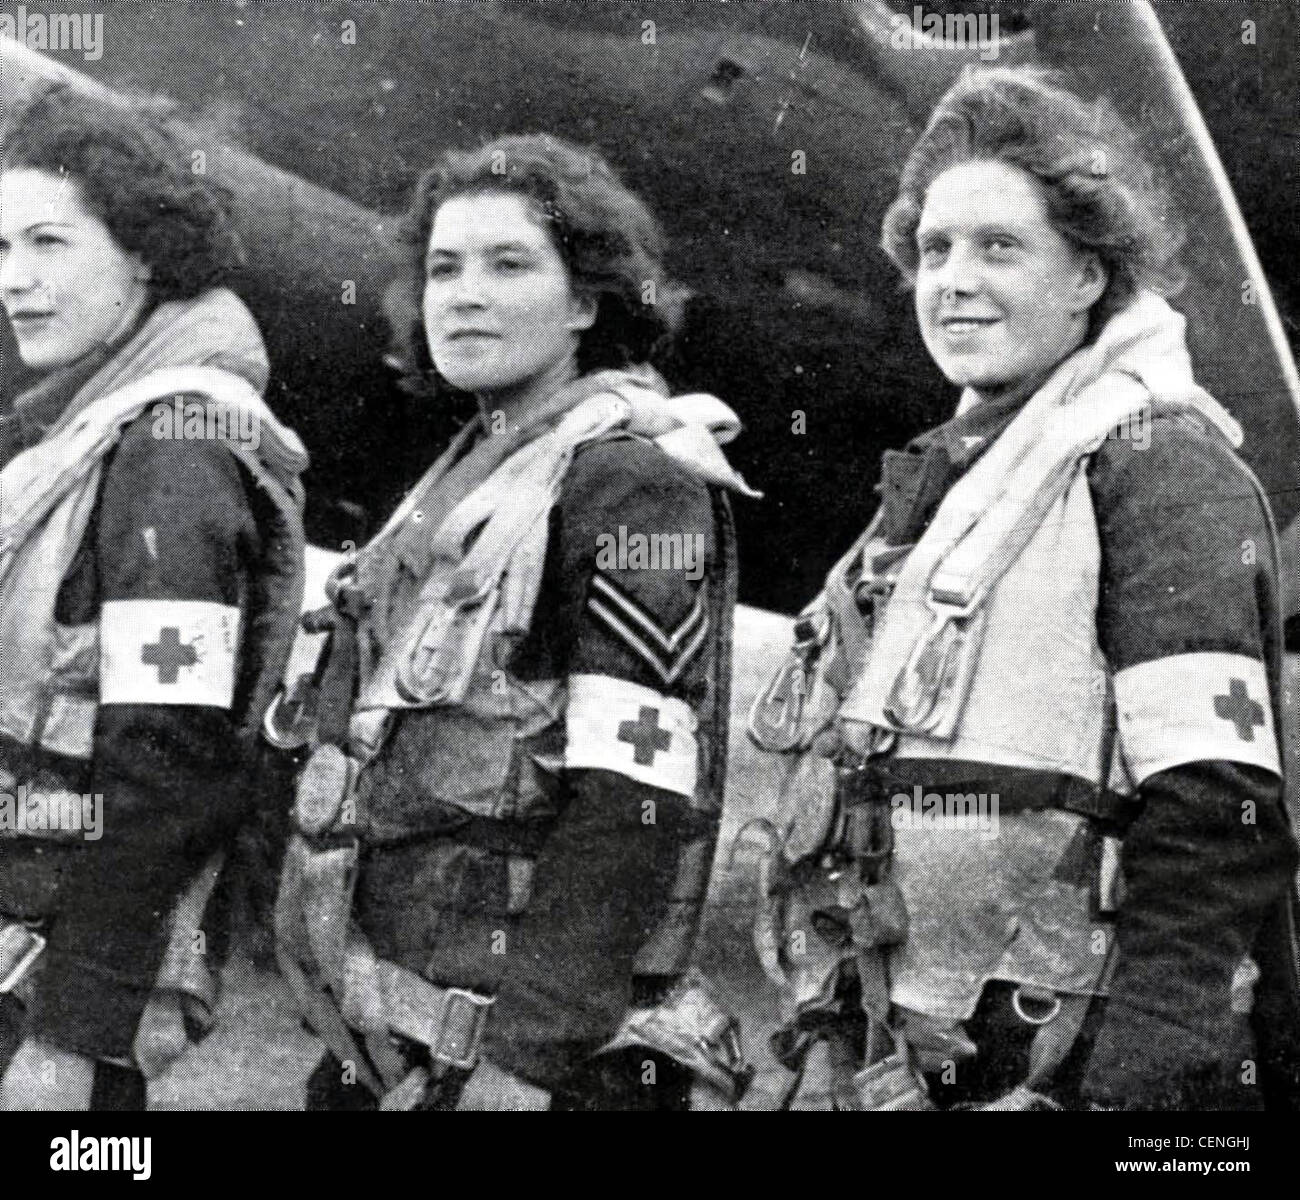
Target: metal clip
[(776, 715), (20, 947), (460, 1028), (290, 721), (437, 664), (341, 581), (913, 701), (872, 595), (777, 711)]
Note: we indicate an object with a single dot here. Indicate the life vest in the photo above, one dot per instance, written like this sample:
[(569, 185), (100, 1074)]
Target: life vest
[(974, 656), (58, 711), (495, 750)]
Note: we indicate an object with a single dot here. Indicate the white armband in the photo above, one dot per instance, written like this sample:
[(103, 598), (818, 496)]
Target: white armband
[(168, 652), (1195, 708), (615, 725)]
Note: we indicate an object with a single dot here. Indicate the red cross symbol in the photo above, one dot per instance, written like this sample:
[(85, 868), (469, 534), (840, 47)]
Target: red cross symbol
[(168, 655), (645, 735), (1240, 709)]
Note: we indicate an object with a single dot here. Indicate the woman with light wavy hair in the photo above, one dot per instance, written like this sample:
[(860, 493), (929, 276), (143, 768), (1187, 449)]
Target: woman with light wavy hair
[(1036, 704)]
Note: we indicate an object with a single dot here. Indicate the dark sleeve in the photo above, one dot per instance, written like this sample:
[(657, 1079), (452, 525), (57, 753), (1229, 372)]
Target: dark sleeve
[(1185, 621), (173, 524), (603, 877)]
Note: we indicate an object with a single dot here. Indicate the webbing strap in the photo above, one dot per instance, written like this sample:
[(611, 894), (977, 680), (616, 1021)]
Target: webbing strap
[(433, 657), (183, 983), (381, 996), (974, 564), (1053, 1042)]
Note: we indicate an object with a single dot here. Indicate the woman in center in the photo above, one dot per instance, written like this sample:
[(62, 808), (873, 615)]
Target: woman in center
[(531, 658)]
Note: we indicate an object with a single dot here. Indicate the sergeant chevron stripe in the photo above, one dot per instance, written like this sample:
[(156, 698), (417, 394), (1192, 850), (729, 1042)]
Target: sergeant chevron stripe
[(667, 652)]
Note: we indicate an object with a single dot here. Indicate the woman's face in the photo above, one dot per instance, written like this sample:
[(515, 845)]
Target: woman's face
[(65, 283), (499, 308), (1001, 296)]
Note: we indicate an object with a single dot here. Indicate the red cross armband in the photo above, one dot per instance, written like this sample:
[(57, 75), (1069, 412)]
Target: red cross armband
[(1195, 708), (168, 652), (615, 725)]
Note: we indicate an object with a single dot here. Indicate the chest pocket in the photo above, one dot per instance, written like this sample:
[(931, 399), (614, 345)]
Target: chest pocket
[(496, 755)]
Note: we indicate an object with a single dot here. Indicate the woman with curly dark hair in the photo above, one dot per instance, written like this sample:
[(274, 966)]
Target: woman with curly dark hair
[(150, 543), (610, 242), (520, 755), (1048, 666)]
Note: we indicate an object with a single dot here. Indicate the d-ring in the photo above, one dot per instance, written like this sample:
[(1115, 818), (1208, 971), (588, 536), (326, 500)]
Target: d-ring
[(1053, 1008)]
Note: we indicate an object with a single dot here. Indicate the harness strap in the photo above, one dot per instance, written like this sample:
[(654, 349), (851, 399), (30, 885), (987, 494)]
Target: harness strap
[(1053, 1042), (183, 985), (501, 837), (378, 997), (382, 997), (966, 573), (982, 528)]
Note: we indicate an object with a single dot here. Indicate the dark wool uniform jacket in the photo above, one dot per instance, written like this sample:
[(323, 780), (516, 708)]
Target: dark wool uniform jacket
[(1186, 568), (562, 971), (173, 521)]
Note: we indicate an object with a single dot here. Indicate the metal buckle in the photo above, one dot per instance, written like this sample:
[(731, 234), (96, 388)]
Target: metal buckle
[(460, 1033), (22, 956), (891, 1086), (913, 701)]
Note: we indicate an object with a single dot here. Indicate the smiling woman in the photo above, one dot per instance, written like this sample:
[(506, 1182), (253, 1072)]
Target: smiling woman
[(148, 588), (1001, 296), (67, 285), (1093, 185), (1053, 612)]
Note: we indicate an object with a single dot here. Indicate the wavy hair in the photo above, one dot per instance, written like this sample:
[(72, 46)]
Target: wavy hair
[(1100, 193), (608, 239), (135, 174)]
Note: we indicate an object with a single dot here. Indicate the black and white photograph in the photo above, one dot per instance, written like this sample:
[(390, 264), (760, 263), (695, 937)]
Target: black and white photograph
[(650, 555)]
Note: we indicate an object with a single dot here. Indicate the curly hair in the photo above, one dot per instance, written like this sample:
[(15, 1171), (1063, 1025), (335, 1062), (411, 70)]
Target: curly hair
[(133, 172), (607, 238), (1100, 193)]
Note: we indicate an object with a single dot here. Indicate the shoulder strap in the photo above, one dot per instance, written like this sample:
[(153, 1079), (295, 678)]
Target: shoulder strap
[(966, 574)]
